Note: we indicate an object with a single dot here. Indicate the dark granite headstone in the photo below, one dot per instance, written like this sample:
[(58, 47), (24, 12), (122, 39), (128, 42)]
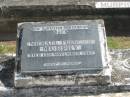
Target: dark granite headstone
[(61, 53), (61, 46)]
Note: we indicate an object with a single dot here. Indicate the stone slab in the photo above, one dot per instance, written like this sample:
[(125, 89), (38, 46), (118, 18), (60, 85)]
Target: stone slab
[(93, 3), (27, 81), (45, 2), (99, 73), (120, 82), (62, 46)]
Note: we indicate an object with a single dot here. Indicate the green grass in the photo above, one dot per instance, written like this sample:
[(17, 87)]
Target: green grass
[(113, 43), (118, 42), (7, 48)]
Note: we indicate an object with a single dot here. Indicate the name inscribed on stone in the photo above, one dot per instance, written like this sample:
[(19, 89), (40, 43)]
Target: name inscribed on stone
[(114, 4), (61, 46)]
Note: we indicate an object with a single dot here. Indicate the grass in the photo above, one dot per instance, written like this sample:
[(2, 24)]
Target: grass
[(118, 42), (7, 47), (113, 43)]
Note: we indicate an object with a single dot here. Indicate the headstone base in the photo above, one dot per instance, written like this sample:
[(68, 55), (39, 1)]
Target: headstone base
[(101, 78)]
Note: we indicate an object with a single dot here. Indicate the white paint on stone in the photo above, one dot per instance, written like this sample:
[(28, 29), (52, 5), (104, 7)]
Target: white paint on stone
[(3, 89), (114, 4), (10, 54)]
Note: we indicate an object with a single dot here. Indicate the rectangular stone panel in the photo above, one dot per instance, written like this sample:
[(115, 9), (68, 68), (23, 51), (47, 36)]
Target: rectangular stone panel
[(55, 46), (112, 4)]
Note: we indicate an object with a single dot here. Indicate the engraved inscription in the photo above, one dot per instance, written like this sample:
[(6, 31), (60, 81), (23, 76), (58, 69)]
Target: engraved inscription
[(61, 46), (80, 53), (62, 64), (63, 42), (115, 4), (60, 29)]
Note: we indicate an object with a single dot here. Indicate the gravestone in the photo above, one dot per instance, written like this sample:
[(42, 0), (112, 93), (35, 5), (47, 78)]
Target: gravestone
[(60, 52)]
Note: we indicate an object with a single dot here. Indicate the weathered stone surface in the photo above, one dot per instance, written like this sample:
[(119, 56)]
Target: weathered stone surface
[(53, 2), (11, 15), (45, 2), (117, 85), (62, 46), (81, 60), (15, 11), (121, 66), (7, 70), (115, 24), (30, 8)]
